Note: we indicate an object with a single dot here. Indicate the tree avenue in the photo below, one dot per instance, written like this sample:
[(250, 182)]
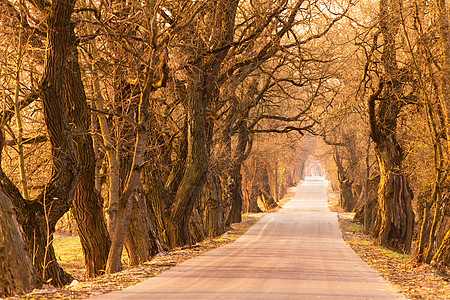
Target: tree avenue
[(156, 124)]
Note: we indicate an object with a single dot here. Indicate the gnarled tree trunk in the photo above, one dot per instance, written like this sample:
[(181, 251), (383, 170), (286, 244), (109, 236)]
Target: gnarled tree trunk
[(17, 273), (394, 194), (202, 91), (212, 207), (232, 189), (143, 239), (41, 214), (266, 197), (347, 199), (134, 180), (87, 205), (196, 164)]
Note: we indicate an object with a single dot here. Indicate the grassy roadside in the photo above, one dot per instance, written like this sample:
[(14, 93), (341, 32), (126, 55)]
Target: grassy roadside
[(422, 282)]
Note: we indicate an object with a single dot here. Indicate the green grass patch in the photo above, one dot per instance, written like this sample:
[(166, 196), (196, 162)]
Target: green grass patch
[(69, 253), (393, 254), (361, 243), (356, 227), (352, 227)]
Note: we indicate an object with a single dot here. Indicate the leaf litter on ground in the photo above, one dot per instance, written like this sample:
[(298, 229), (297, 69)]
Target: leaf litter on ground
[(415, 282)]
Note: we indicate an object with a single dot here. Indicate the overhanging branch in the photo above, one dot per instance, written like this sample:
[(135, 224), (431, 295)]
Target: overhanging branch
[(286, 129)]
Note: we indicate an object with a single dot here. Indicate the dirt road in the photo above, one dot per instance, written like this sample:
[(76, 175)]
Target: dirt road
[(296, 253)]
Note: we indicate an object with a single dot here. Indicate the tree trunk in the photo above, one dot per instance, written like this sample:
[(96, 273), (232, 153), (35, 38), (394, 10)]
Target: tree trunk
[(371, 204), (87, 206), (134, 181), (395, 209), (143, 240), (428, 253), (442, 256), (234, 194), (196, 167), (196, 229), (17, 273), (444, 74), (179, 165), (367, 213), (302, 170), (277, 191), (232, 190), (424, 235), (265, 193), (202, 91), (111, 153), (212, 208), (158, 197), (362, 197), (251, 205), (347, 199), (394, 194), (252, 201), (40, 215)]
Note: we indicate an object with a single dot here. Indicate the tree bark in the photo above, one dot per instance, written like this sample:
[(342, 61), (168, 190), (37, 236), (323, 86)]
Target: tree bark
[(252, 201), (87, 205), (40, 215), (428, 253), (143, 240), (212, 207), (371, 204), (196, 229), (202, 91), (113, 157), (394, 194), (232, 190), (347, 199), (134, 179), (158, 197), (395, 209), (196, 165), (17, 273), (265, 193), (442, 256)]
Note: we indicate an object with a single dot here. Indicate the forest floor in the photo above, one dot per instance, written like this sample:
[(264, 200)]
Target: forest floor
[(415, 282)]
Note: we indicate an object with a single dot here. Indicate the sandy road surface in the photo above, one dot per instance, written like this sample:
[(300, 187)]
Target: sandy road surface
[(296, 253)]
